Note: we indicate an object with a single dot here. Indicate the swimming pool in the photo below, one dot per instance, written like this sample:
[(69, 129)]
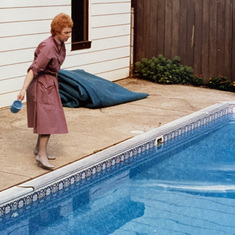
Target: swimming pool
[(126, 205)]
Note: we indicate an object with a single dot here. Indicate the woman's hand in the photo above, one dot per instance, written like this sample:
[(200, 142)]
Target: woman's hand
[(21, 95)]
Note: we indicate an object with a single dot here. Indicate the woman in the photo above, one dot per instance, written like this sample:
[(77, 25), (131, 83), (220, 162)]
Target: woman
[(44, 109)]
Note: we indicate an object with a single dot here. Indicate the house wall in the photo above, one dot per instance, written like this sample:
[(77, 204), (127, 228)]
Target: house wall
[(25, 23)]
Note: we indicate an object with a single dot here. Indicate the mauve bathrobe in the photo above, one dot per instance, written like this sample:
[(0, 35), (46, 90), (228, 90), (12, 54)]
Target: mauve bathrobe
[(44, 109)]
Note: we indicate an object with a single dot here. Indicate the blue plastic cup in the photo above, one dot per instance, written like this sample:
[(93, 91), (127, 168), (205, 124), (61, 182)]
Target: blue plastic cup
[(16, 106)]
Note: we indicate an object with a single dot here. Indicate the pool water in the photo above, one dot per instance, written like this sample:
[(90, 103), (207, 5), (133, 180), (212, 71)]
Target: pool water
[(185, 186)]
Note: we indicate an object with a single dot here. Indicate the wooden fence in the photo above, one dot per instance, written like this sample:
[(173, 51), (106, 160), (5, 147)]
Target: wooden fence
[(201, 32)]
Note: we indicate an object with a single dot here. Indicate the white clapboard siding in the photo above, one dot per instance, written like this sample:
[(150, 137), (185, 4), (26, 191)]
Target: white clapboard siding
[(109, 43), (15, 57), (110, 20), (29, 14), (110, 8), (112, 73), (7, 86), (98, 56), (111, 31), (22, 42), (14, 70), (25, 23), (30, 3), (110, 65), (109, 1), (104, 57), (26, 28), (115, 74)]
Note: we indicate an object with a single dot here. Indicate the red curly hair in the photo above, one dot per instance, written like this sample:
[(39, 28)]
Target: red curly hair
[(59, 22)]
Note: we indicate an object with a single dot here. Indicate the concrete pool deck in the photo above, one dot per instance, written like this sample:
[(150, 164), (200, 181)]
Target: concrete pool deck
[(92, 130)]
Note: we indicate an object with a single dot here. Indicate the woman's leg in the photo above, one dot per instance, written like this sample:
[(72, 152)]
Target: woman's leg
[(36, 150), (42, 151)]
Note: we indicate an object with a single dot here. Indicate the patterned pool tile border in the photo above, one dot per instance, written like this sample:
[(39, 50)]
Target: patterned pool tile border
[(200, 122), (29, 194)]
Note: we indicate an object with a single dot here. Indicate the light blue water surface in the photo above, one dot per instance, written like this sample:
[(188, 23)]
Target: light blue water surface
[(185, 189)]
